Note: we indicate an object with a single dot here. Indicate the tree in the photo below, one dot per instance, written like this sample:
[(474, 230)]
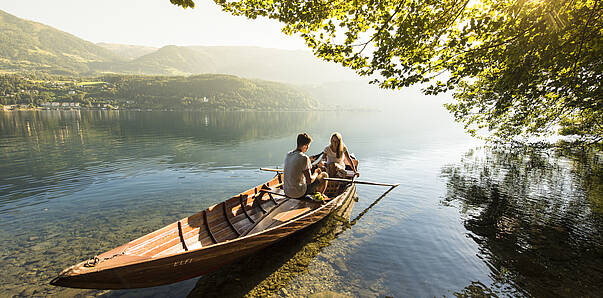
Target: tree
[(516, 68)]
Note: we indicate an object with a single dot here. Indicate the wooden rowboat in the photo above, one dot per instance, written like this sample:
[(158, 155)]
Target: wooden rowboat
[(205, 241)]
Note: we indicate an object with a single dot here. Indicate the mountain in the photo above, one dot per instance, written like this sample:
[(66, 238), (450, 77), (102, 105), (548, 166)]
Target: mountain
[(300, 67), (31, 46), (169, 60), (127, 52)]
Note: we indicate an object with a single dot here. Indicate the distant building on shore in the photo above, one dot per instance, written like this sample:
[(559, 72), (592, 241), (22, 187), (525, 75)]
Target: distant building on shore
[(57, 105)]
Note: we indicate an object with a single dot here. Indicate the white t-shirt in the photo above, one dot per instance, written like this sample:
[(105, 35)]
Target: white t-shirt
[(332, 156), (295, 184)]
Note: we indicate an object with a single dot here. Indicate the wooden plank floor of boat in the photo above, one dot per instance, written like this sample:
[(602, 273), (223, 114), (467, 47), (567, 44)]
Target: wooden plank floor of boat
[(284, 212), (239, 216)]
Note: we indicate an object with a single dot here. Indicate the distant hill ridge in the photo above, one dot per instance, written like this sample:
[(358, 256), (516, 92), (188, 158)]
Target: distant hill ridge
[(168, 60), (128, 52), (31, 46), (246, 61)]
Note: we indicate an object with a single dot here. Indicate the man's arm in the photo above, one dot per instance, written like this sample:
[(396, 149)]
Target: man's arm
[(309, 177)]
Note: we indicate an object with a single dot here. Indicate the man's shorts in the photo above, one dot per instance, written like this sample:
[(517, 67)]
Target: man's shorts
[(313, 187)]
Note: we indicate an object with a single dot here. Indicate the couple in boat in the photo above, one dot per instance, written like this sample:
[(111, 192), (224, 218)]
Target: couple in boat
[(299, 178)]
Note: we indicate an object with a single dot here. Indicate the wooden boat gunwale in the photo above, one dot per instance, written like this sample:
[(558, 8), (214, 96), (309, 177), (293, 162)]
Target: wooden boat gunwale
[(301, 221)]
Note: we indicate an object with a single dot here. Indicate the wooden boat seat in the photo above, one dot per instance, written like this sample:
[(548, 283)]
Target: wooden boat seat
[(281, 192), (276, 191), (287, 210), (333, 189)]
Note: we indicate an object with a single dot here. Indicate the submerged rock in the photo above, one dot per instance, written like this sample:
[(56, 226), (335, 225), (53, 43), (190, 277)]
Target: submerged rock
[(366, 293), (327, 294), (28, 292), (340, 265)]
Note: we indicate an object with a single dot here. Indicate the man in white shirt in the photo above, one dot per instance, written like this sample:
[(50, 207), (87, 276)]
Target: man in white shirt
[(298, 178)]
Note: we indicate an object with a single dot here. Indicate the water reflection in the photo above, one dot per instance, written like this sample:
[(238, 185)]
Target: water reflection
[(536, 215), (49, 154), (225, 126)]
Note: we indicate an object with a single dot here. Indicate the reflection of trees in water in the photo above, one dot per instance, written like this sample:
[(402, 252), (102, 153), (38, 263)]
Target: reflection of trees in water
[(67, 149), (51, 141), (536, 214), (211, 126)]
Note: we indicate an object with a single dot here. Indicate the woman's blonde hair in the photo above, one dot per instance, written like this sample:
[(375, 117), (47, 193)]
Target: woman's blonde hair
[(339, 152)]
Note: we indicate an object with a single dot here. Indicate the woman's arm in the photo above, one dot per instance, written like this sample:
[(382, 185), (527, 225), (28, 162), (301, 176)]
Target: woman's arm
[(323, 159), (347, 155)]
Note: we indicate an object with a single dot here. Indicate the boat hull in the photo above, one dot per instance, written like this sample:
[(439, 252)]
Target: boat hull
[(189, 264)]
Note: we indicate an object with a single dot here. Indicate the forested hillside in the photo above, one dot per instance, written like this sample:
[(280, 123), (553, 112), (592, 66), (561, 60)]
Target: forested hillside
[(31, 46), (201, 92), (215, 91)]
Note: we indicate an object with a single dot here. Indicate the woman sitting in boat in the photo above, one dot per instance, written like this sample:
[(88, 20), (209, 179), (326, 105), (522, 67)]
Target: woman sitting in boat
[(334, 155), (298, 178)]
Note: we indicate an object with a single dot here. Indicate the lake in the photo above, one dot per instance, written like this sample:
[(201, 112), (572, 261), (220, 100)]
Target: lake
[(467, 219)]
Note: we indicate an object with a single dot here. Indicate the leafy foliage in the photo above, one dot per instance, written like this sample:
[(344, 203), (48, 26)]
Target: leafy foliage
[(516, 67), (184, 3)]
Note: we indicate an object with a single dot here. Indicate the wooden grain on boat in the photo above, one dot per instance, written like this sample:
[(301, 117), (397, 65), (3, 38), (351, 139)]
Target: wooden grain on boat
[(206, 240)]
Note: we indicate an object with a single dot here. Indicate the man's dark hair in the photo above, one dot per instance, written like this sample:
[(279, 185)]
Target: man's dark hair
[(303, 139)]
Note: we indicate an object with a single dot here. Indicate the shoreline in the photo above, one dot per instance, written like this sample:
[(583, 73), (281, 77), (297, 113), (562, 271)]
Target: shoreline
[(200, 110)]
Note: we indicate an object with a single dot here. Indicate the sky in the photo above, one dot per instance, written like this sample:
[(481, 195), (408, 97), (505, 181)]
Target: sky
[(152, 23)]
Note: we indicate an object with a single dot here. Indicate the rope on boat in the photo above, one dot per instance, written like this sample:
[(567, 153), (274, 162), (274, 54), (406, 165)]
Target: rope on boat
[(96, 260)]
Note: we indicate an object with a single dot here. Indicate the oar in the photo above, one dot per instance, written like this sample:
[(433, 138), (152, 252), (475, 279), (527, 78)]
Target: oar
[(361, 182), (339, 179), (271, 170)]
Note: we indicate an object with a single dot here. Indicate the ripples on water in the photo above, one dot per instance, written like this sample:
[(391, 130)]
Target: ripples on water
[(463, 221)]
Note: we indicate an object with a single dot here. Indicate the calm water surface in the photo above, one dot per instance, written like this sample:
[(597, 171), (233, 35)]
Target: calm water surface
[(466, 219)]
